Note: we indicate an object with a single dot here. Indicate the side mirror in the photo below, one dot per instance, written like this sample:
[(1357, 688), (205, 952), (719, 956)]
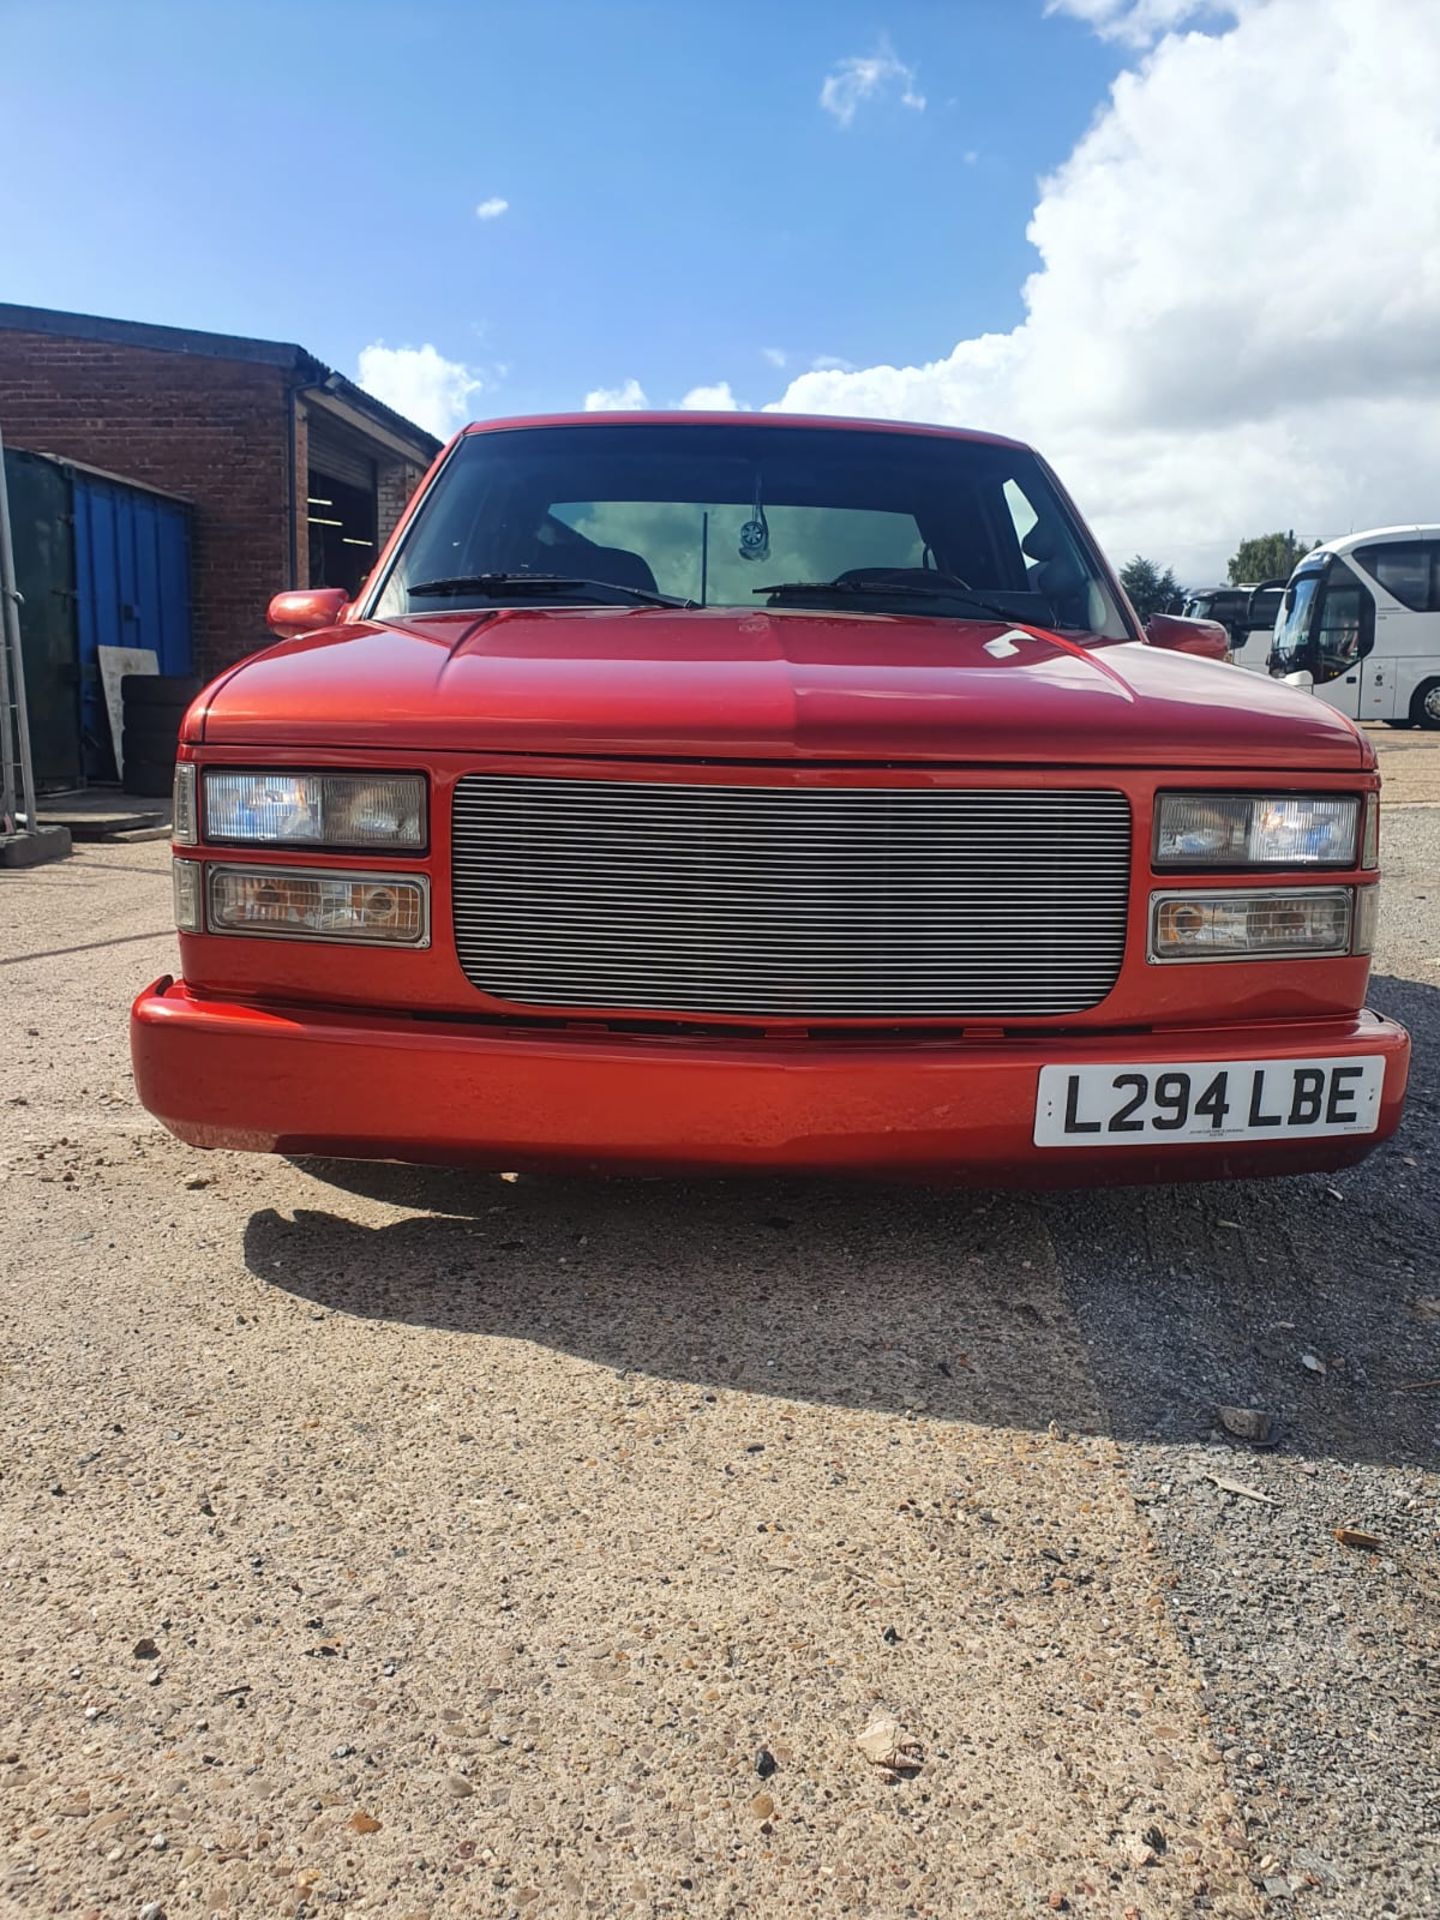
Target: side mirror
[(1178, 635), (1264, 602), (305, 610)]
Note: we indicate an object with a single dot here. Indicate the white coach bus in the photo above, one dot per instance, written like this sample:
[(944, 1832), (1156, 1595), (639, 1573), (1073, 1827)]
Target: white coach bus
[(1359, 624)]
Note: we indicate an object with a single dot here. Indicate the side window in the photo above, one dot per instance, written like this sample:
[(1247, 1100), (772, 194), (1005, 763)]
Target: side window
[(1040, 555), (1408, 570), (1346, 630), (1023, 516)]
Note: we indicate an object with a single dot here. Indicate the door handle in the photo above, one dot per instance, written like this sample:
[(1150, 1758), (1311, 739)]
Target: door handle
[(1350, 679)]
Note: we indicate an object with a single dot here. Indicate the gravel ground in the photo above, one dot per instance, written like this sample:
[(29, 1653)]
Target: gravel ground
[(1410, 764), (379, 1541)]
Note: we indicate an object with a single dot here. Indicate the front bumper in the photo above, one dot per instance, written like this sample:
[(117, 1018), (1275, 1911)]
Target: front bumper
[(298, 1080)]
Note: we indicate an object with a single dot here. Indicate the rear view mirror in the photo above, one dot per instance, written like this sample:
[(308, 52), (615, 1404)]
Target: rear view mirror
[(1178, 635), (305, 610)]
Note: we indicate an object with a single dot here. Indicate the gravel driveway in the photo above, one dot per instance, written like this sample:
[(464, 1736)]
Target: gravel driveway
[(401, 1543)]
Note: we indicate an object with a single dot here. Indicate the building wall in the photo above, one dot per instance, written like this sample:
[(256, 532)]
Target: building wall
[(297, 510), (395, 482), (212, 430)]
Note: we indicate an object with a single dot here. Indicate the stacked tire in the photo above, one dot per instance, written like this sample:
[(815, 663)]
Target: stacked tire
[(152, 707)]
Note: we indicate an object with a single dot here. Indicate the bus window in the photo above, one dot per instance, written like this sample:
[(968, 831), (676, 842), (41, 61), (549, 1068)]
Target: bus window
[(1408, 570)]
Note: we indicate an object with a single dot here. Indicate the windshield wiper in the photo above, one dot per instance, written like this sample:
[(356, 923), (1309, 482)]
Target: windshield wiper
[(947, 586), (498, 586)]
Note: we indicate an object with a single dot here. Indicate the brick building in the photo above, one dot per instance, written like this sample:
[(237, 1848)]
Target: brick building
[(295, 475)]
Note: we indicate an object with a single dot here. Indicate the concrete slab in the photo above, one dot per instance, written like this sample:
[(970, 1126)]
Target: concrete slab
[(103, 813), (34, 849)]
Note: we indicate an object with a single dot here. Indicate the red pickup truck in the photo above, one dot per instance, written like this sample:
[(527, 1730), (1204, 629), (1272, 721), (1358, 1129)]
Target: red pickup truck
[(753, 791)]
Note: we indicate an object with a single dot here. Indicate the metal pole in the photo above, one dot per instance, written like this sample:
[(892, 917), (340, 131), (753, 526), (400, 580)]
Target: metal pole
[(12, 675), (7, 731)]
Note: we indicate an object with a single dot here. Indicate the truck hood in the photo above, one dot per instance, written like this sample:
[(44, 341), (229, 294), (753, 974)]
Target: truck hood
[(728, 684)]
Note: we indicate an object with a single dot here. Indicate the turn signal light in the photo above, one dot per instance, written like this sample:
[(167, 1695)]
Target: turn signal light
[(185, 881), (1292, 923), (288, 903), (185, 828)]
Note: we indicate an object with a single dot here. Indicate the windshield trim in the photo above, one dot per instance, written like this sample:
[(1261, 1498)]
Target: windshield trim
[(1067, 512)]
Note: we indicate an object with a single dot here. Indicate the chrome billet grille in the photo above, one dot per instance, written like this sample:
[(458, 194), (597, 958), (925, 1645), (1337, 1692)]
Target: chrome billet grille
[(818, 902)]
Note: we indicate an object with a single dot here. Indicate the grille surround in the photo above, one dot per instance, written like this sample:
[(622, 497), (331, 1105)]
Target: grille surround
[(790, 902)]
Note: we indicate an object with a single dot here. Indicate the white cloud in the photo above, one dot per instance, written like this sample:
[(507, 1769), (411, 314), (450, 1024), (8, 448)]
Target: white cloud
[(492, 208), (629, 398), (713, 399), (1235, 324), (777, 356), (863, 77), (1141, 21), (831, 363), (420, 383)]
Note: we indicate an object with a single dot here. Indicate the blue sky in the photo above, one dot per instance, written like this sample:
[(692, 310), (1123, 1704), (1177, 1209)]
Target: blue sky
[(1183, 246), (678, 198)]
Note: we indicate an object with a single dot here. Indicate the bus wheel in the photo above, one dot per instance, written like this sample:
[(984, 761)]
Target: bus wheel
[(1400, 726), (1425, 707)]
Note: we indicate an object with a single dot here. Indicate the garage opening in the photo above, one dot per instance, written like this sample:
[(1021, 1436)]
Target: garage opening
[(342, 531), (341, 508)]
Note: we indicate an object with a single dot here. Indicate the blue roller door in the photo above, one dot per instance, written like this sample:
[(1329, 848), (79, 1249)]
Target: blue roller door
[(40, 522), (132, 578)]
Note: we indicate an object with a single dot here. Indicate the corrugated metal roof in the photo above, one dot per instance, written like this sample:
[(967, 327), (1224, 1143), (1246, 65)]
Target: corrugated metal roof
[(215, 346)]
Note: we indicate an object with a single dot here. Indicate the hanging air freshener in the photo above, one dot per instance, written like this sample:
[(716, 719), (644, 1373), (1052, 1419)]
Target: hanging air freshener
[(755, 534)]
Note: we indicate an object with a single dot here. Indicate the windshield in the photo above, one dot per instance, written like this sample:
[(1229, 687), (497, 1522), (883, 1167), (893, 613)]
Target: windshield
[(1290, 650), (1223, 607), (748, 517)]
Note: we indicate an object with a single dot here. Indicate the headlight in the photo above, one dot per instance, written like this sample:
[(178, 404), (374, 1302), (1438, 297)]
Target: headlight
[(1257, 830), (1241, 924), (380, 909), (316, 809)]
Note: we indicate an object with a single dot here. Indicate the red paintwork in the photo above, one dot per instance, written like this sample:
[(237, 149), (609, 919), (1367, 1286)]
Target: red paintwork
[(1205, 638), (517, 423), (276, 1044), (765, 685), (432, 980), (305, 609), (282, 1080)]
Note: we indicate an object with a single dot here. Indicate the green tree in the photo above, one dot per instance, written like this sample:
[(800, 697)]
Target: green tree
[(1150, 590), (1268, 556)]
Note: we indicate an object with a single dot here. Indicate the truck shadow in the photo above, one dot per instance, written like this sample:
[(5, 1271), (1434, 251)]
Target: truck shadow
[(1213, 1297), (1132, 1311)]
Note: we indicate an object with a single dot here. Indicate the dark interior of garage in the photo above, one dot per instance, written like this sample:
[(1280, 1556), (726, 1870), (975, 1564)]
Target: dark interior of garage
[(343, 527)]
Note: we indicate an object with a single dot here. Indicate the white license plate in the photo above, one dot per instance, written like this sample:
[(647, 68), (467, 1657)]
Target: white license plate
[(1190, 1100)]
